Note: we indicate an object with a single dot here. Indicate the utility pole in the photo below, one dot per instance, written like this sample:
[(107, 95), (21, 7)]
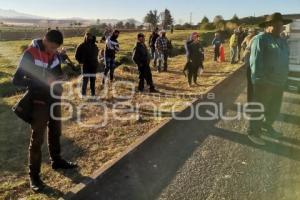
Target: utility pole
[(191, 18)]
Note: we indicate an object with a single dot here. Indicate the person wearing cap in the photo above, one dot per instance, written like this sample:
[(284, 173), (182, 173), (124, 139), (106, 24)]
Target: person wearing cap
[(269, 62), (141, 58), (162, 48), (195, 58), (38, 70), (233, 43), (111, 48), (152, 39), (246, 44), (87, 55)]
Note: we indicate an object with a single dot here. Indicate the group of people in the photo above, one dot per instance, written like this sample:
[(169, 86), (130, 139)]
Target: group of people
[(235, 44), (87, 55), (265, 54)]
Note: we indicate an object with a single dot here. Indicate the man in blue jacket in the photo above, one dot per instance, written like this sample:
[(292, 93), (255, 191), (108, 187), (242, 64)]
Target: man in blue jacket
[(269, 62), (217, 41), (141, 58)]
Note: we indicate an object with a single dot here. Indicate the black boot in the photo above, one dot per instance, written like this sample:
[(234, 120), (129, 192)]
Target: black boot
[(153, 90), (63, 164), (36, 184)]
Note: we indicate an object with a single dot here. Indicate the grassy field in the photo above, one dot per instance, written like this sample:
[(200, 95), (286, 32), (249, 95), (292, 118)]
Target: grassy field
[(91, 147)]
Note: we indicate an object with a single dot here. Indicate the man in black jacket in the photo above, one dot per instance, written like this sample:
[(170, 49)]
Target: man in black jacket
[(39, 68), (87, 54), (141, 58), (195, 58), (152, 41)]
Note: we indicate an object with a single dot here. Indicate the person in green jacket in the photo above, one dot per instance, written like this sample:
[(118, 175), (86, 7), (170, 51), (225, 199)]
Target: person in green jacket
[(269, 63), (233, 43)]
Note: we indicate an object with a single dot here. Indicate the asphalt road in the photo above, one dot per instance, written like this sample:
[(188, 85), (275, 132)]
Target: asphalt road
[(197, 159)]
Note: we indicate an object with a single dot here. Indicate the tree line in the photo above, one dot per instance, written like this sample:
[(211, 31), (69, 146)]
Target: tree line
[(165, 20)]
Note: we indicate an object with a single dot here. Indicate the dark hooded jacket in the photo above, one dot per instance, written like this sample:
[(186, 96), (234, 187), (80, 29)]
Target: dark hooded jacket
[(87, 54), (141, 55)]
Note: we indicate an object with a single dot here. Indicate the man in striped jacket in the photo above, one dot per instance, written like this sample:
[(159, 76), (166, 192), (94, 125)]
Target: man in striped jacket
[(38, 69)]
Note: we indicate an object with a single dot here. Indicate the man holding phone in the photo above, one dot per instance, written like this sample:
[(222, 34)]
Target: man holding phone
[(39, 68)]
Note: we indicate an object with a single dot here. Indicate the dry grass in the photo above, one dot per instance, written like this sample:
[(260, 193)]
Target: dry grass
[(91, 147)]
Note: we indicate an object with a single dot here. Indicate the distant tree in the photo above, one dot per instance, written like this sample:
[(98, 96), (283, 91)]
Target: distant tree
[(152, 18), (77, 24), (95, 30), (178, 27), (187, 26), (120, 25), (208, 26), (167, 19), (217, 19), (140, 27), (103, 26), (235, 19), (205, 20), (129, 25), (98, 21)]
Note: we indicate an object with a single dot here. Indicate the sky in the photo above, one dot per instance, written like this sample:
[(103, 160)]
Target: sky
[(123, 9)]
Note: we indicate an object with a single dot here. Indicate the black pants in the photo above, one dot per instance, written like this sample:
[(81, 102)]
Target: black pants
[(249, 85), (85, 81), (145, 74), (217, 52), (193, 72), (270, 97), (41, 119), (239, 52)]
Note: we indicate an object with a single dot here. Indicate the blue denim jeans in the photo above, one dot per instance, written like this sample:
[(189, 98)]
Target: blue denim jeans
[(154, 55), (162, 60), (109, 67)]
